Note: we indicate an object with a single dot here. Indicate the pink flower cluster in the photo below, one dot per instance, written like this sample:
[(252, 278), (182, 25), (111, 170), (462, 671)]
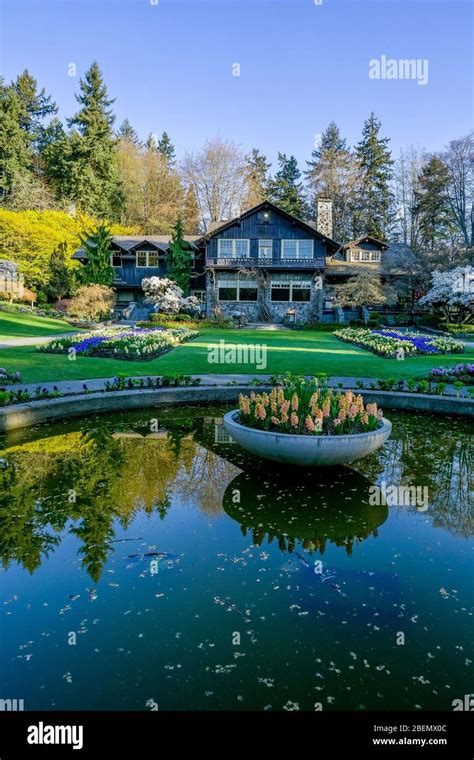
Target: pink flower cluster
[(305, 408)]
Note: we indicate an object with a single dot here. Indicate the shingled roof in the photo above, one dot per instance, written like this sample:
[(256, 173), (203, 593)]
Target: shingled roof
[(128, 242)]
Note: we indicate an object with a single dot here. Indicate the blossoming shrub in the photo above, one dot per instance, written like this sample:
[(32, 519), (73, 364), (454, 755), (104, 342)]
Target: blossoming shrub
[(388, 343), (133, 344), (307, 408)]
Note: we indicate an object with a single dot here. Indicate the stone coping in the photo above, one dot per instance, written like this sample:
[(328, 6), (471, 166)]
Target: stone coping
[(65, 407)]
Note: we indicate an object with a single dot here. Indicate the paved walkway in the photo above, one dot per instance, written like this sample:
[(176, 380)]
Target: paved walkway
[(70, 387), (16, 342)]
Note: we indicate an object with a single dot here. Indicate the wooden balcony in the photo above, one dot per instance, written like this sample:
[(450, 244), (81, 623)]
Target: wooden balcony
[(264, 263)]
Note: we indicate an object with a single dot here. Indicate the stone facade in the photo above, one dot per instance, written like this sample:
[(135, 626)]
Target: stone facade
[(252, 311)]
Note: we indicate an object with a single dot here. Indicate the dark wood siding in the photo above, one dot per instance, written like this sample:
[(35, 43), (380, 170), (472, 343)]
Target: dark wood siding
[(277, 228)]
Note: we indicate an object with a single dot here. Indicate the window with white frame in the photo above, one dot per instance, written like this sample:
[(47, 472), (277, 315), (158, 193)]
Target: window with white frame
[(237, 290), (233, 248), (265, 249), (147, 258), (200, 295), (296, 291), (365, 255), (115, 259), (355, 256), (297, 249), (375, 256)]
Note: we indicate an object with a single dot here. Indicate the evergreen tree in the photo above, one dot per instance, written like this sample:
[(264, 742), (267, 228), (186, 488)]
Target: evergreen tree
[(166, 149), (127, 132), (191, 213), (60, 277), (432, 207), (179, 258), (15, 142), (374, 206), (97, 246), (256, 172), (285, 189), (151, 143), (332, 174), (91, 154), (35, 105)]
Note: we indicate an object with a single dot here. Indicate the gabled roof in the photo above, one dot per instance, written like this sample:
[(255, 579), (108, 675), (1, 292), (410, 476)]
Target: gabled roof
[(127, 243), (365, 239), (217, 227)]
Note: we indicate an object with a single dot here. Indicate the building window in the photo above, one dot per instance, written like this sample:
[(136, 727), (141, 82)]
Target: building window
[(297, 249), (115, 260), (234, 290), (248, 293), (298, 291), (265, 249), (233, 248), (227, 293), (147, 258), (301, 292), (365, 255), (200, 295), (375, 256), (354, 256)]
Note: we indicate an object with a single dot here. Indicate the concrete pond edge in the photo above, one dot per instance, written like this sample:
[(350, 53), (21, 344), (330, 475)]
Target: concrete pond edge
[(35, 412)]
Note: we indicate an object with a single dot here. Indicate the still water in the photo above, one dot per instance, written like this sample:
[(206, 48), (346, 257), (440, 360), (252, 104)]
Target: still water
[(149, 563)]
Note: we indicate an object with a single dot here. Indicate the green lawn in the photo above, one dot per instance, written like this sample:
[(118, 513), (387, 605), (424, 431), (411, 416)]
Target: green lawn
[(298, 352), (29, 326)]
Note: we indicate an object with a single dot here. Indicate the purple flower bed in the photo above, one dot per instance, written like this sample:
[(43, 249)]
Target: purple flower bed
[(422, 342), (464, 372)]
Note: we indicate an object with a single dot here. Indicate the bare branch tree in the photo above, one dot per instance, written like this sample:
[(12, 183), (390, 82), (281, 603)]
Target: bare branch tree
[(218, 175)]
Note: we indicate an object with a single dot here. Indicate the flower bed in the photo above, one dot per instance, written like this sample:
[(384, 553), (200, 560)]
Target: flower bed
[(112, 343), (461, 372), (307, 408), (9, 377), (393, 343)]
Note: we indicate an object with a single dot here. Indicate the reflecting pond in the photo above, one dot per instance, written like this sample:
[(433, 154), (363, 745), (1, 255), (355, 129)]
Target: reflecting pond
[(149, 563)]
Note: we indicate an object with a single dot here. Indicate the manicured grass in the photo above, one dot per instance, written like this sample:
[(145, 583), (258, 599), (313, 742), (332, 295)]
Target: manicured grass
[(29, 326), (299, 352)]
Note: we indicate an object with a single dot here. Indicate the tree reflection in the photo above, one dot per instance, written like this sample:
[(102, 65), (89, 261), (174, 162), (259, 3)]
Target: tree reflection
[(309, 510), (89, 477)]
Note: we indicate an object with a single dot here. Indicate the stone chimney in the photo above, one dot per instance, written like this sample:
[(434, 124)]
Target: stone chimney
[(324, 216)]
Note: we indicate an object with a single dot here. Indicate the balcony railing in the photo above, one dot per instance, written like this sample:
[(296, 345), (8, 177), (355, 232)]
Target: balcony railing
[(265, 263)]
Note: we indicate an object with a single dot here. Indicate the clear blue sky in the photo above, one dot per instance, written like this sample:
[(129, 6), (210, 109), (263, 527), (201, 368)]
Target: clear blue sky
[(169, 66)]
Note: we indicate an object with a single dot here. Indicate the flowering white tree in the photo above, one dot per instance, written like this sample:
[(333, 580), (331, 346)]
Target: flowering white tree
[(167, 297), (452, 291)]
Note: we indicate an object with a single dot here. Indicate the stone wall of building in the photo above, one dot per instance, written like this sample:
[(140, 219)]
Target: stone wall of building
[(311, 309)]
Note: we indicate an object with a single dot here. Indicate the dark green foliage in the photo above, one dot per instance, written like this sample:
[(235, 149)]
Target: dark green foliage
[(90, 168), (15, 142), (97, 245), (60, 277), (432, 206), (286, 189), (127, 132), (179, 258), (166, 149), (373, 214)]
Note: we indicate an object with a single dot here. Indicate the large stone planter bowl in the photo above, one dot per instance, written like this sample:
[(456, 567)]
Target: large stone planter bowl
[(306, 450)]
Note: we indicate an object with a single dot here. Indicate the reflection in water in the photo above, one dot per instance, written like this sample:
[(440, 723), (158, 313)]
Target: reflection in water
[(313, 509), (86, 481), (318, 585)]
